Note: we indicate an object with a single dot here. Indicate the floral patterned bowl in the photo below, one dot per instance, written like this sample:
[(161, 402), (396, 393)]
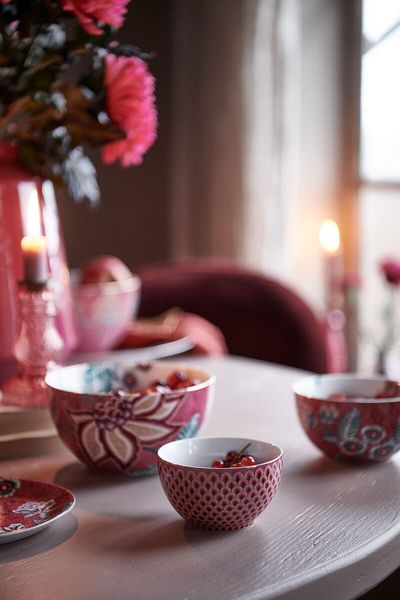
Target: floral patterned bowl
[(108, 417), (103, 311), (350, 417), (219, 498)]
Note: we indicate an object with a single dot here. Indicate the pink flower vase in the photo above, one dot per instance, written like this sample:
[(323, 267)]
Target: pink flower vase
[(16, 185)]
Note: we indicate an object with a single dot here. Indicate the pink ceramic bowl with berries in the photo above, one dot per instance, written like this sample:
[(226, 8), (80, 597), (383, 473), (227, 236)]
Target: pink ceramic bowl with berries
[(114, 416), (219, 497), (350, 417)]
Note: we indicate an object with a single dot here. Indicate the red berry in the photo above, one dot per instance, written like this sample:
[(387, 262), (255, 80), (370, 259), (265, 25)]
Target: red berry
[(235, 459), (247, 461), (185, 384), (149, 389), (177, 378), (231, 455)]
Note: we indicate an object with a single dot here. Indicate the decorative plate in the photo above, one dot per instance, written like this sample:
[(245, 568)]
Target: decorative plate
[(27, 507)]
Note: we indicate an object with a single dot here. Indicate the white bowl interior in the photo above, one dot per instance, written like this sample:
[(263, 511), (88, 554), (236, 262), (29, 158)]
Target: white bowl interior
[(105, 377), (355, 387), (200, 452)]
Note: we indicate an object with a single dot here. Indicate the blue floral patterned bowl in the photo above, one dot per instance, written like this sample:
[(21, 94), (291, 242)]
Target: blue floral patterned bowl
[(350, 417), (116, 415)]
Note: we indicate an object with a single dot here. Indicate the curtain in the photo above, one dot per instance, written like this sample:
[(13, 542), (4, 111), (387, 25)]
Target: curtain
[(234, 129)]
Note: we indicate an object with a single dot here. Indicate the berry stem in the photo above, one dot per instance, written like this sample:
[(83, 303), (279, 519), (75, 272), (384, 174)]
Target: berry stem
[(239, 455)]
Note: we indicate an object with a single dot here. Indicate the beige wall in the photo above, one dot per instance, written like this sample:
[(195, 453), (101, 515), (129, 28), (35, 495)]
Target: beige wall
[(327, 140)]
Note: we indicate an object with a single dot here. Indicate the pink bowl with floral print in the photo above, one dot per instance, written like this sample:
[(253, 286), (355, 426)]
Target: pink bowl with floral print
[(107, 417), (350, 417), (103, 311), (219, 498)]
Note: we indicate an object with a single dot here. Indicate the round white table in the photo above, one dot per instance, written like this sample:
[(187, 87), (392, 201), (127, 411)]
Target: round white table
[(331, 532)]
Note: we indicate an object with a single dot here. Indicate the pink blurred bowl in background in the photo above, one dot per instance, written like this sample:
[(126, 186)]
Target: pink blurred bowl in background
[(103, 311)]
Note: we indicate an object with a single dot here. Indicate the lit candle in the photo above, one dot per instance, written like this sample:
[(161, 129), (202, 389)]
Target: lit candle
[(34, 245), (329, 236)]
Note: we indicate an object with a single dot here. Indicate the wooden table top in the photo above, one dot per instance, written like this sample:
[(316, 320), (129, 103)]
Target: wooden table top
[(331, 532)]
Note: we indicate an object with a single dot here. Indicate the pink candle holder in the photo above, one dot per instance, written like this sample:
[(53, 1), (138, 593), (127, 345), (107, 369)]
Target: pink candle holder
[(16, 187), (37, 347)]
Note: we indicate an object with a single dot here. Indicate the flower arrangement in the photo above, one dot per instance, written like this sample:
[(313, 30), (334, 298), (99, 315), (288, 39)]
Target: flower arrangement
[(383, 342), (66, 84), (390, 269)]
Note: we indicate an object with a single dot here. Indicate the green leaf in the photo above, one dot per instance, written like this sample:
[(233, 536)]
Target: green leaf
[(80, 177), (190, 429), (350, 424), (129, 50), (397, 432)]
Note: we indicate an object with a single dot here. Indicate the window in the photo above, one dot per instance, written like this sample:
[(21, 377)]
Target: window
[(379, 198), (380, 92)]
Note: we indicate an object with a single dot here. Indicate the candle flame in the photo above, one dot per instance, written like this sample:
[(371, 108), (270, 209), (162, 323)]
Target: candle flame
[(329, 236), (33, 221)]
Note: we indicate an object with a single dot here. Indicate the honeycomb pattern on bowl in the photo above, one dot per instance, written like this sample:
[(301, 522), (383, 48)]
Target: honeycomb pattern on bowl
[(220, 499)]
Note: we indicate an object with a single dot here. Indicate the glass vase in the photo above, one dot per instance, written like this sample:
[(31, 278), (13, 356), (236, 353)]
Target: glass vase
[(16, 185)]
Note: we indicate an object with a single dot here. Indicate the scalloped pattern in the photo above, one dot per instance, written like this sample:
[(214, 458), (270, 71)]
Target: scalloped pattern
[(220, 499)]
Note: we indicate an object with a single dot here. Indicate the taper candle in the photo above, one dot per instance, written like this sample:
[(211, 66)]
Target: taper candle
[(34, 255), (34, 245), (329, 236)]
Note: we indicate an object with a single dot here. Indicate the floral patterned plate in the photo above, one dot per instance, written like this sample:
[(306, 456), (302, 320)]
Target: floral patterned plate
[(27, 507)]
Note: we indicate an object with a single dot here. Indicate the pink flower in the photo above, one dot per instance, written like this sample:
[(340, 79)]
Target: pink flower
[(391, 272), (88, 12), (130, 103), (351, 280)]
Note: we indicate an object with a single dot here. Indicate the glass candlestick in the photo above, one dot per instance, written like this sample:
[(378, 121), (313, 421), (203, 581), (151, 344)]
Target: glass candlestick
[(37, 348)]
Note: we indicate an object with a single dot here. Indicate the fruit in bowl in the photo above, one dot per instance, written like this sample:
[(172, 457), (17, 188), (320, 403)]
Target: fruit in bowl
[(350, 417), (106, 298), (104, 269), (224, 497), (115, 415)]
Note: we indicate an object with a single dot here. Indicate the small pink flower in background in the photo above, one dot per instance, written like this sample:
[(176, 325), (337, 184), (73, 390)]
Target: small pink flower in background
[(88, 12), (391, 272), (351, 280), (130, 103)]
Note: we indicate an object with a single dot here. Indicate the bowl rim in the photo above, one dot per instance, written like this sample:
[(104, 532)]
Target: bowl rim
[(208, 382), (222, 469), (129, 284), (349, 377)]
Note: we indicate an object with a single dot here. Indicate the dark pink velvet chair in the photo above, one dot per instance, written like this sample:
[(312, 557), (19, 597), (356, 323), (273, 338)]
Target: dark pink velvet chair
[(259, 317)]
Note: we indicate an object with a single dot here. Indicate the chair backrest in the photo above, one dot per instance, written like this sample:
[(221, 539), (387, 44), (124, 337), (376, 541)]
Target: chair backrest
[(259, 317)]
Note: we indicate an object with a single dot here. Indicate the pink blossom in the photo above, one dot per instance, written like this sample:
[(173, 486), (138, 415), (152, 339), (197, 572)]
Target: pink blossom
[(351, 280), (5, 1), (391, 272), (88, 12), (130, 103)]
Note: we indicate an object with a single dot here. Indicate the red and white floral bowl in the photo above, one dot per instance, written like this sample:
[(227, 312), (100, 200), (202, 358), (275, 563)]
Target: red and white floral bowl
[(106, 419), (350, 417), (219, 498)]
